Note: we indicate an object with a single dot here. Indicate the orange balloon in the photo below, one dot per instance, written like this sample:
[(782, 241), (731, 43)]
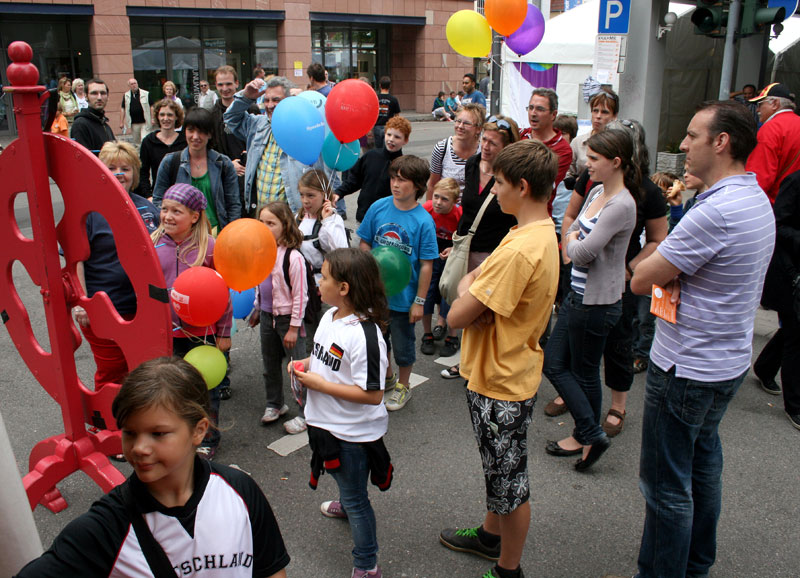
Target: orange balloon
[(245, 253), (505, 16)]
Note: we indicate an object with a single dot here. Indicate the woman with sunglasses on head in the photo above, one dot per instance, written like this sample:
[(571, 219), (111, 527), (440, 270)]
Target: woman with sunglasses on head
[(498, 132), (651, 217), (450, 155), (596, 243)]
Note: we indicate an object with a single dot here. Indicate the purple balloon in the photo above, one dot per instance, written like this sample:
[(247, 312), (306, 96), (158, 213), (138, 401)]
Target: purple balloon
[(529, 35)]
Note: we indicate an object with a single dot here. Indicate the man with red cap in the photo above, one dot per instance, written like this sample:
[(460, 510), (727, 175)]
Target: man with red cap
[(777, 153)]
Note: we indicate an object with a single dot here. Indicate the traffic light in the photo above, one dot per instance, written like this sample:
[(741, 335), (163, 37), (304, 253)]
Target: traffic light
[(757, 17), (710, 18)]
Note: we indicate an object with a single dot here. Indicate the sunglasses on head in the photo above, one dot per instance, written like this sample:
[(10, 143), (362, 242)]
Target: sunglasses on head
[(501, 123)]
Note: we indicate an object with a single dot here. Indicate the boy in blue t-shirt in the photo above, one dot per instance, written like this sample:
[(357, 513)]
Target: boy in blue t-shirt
[(400, 221)]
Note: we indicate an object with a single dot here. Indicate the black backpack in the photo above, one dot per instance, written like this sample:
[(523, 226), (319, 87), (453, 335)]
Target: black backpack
[(314, 305)]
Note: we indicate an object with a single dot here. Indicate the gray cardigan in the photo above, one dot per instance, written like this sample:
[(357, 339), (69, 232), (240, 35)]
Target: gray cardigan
[(603, 250)]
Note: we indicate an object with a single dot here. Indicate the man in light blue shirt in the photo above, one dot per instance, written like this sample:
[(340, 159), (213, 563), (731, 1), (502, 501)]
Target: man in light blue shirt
[(713, 263)]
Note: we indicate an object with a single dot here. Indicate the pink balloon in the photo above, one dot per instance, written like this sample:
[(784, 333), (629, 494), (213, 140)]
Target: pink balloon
[(530, 34)]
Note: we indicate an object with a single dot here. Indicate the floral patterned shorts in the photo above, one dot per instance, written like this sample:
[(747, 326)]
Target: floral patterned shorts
[(501, 428)]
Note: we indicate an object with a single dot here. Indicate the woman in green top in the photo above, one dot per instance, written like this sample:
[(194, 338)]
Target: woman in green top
[(200, 166), (69, 103)]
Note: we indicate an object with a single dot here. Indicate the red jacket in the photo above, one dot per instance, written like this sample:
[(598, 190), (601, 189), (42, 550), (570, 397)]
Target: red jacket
[(777, 153), (559, 145)]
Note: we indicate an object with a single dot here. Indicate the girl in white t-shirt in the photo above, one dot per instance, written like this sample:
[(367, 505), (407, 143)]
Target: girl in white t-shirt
[(322, 227), (344, 409)]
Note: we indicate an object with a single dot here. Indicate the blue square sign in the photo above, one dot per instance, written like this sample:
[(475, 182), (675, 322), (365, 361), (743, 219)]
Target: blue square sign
[(615, 16)]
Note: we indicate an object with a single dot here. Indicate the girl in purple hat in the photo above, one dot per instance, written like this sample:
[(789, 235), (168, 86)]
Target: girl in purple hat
[(183, 240)]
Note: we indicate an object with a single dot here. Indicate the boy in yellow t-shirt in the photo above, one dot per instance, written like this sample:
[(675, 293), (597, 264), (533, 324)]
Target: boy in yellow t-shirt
[(504, 306)]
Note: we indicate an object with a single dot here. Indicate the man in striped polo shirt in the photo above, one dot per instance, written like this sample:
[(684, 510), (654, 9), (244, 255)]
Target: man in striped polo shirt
[(713, 263)]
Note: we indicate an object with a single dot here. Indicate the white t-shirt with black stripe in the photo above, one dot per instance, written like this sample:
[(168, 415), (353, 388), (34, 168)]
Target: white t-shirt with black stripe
[(352, 352), (225, 530)]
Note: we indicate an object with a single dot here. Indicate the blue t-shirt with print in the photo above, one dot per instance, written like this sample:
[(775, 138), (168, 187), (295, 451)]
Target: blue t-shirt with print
[(412, 231)]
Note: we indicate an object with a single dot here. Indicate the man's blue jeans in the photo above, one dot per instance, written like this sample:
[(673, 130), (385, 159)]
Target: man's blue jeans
[(680, 473), (352, 479)]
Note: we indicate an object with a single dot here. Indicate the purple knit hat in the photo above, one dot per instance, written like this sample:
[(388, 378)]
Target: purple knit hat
[(186, 195)]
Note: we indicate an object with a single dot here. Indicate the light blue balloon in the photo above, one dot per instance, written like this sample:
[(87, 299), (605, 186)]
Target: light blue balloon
[(242, 302), (340, 156), (298, 129), (317, 99)]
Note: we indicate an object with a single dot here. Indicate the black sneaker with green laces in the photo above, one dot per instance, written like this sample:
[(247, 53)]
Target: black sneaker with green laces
[(466, 540)]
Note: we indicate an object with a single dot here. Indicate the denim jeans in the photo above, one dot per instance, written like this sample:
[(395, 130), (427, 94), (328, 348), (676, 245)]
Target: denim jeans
[(644, 327), (680, 473), (352, 479), (572, 361)]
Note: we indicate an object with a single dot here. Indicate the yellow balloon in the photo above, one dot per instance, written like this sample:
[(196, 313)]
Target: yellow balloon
[(469, 34)]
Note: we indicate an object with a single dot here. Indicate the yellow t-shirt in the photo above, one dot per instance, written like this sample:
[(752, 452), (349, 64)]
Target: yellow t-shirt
[(518, 283)]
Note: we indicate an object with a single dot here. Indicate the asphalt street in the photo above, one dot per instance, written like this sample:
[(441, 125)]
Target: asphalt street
[(584, 524)]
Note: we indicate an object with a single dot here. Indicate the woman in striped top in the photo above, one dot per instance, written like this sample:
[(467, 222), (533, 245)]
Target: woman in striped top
[(596, 244)]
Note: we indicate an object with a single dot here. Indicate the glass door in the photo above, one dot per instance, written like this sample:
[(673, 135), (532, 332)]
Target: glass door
[(185, 73)]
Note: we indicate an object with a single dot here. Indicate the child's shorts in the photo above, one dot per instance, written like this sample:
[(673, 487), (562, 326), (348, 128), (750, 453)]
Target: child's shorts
[(501, 428), (401, 338), (434, 296)]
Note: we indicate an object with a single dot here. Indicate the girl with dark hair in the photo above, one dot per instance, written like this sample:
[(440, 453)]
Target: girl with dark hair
[(174, 504), (203, 168), (345, 380), (595, 244), (280, 308)]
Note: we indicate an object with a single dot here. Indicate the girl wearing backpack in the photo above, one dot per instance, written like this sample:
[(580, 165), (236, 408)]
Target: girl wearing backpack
[(280, 308), (323, 231)]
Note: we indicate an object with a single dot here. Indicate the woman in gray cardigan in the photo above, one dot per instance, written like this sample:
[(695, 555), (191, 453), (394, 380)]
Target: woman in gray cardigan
[(596, 244)]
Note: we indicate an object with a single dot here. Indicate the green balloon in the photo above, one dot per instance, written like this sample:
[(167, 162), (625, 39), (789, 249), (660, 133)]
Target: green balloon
[(395, 269), (210, 362)]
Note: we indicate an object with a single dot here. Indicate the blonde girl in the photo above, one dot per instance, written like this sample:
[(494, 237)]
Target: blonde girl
[(183, 240)]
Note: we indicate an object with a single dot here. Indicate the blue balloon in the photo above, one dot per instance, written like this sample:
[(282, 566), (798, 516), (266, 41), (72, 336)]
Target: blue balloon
[(243, 302), (340, 156), (298, 129), (318, 100)]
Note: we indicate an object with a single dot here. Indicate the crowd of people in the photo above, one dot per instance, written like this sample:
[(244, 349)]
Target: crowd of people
[(625, 240)]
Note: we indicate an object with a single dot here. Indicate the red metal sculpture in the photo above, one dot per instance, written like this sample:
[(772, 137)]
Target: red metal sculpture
[(86, 185)]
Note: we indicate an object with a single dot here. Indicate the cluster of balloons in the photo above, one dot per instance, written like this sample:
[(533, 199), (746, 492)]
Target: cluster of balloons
[(309, 124), (521, 23), (244, 255)]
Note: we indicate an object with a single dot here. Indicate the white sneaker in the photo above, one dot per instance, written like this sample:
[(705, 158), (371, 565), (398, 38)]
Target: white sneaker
[(272, 414), (295, 425), (398, 398), (389, 383)]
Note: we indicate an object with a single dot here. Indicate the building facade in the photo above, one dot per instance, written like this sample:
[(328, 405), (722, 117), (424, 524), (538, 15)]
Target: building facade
[(185, 40)]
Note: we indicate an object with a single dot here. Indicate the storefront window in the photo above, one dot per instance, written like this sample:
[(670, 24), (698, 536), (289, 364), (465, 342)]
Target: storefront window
[(186, 52), (266, 41), (60, 47), (350, 51)]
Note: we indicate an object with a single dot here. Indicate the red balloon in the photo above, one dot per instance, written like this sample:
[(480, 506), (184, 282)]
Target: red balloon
[(351, 109), (199, 296)]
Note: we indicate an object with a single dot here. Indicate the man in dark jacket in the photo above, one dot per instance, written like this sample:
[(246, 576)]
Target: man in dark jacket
[(370, 174), (91, 127)]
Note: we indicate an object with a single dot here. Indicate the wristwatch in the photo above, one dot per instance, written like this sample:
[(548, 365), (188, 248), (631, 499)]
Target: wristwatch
[(419, 300)]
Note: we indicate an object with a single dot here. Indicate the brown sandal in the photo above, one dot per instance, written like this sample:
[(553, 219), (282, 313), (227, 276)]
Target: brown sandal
[(614, 429), (554, 409)]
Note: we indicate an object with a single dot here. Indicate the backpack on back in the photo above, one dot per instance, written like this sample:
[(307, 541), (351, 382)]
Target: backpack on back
[(314, 304)]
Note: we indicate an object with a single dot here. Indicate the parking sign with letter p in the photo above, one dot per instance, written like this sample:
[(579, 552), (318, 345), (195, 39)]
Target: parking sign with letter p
[(615, 16)]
